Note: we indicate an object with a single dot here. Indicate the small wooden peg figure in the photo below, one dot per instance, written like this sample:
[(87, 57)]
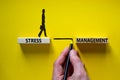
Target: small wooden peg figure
[(42, 27)]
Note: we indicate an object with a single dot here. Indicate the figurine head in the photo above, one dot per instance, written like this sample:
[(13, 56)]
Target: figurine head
[(43, 10)]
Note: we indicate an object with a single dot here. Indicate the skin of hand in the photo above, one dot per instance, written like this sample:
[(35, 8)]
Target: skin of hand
[(76, 68)]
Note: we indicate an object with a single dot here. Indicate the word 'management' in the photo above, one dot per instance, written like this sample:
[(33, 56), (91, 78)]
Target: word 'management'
[(91, 40)]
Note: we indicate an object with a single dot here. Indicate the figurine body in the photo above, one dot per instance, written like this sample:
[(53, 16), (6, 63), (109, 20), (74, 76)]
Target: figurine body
[(42, 27)]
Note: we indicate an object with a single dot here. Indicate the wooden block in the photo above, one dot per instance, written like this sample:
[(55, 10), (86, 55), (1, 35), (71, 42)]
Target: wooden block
[(33, 40), (92, 40)]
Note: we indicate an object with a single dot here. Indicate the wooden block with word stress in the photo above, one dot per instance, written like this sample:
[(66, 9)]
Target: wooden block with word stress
[(33, 40)]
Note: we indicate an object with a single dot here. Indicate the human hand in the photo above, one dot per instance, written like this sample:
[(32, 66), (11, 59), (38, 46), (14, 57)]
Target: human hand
[(76, 68)]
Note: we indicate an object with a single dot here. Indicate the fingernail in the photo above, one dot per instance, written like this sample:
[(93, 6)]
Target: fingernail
[(73, 52)]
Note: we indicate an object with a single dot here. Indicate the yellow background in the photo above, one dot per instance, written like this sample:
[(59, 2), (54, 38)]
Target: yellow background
[(64, 18)]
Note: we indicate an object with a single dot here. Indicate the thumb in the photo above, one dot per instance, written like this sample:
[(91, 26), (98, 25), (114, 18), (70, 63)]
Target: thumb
[(75, 61)]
